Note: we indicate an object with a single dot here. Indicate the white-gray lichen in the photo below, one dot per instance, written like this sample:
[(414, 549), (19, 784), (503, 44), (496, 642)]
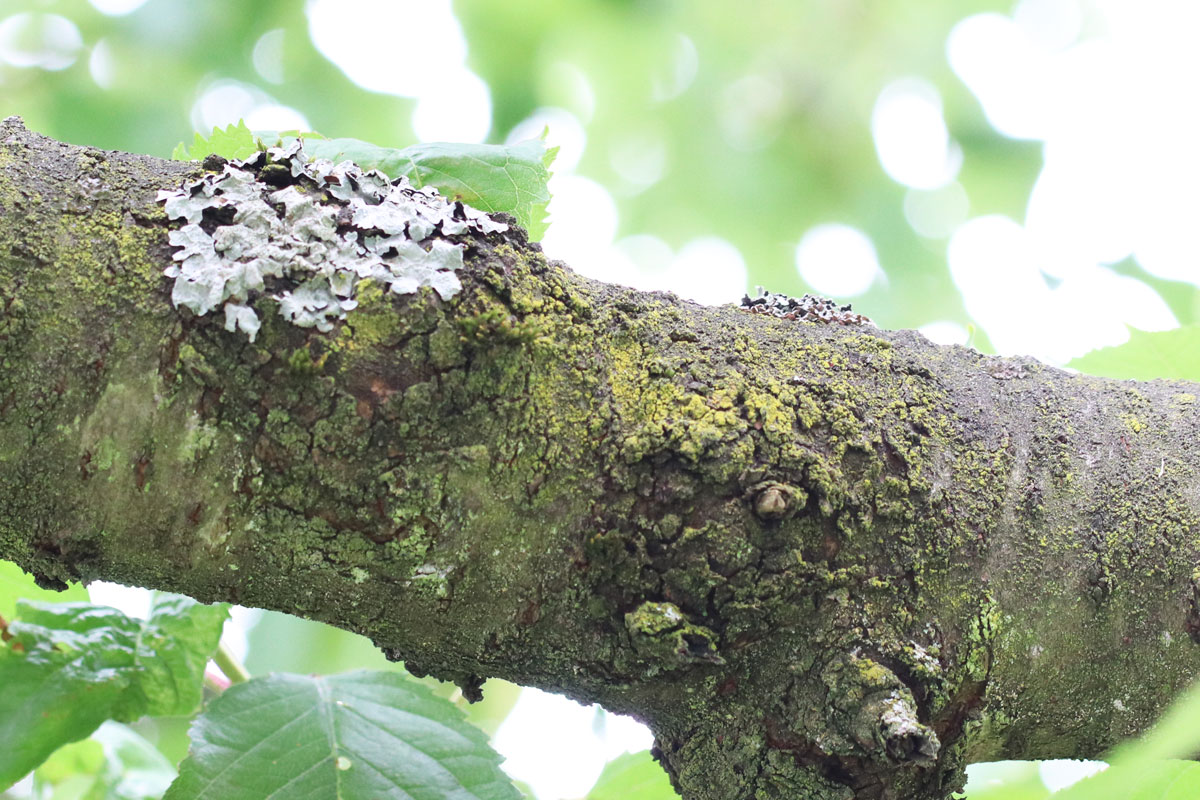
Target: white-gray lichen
[(307, 236)]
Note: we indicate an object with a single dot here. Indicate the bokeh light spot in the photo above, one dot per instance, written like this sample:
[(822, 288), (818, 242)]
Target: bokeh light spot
[(116, 8), (267, 56), (639, 158), (910, 134), (1006, 70), (994, 263), (351, 34), (936, 214), (101, 65), (460, 111), (583, 220), (567, 85), (750, 111), (563, 130), (837, 260), (275, 117), (572, 743), (709, 270), (944, 331), (227, 102), (1054, 24), (679, 73), (45, 41)]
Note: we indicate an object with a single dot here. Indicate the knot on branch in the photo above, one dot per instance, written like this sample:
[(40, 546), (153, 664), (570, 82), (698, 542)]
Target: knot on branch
[(662, 635), (872, 708), (773, 500)]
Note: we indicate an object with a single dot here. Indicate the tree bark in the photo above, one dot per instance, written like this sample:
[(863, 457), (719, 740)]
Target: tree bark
[(819, 561)]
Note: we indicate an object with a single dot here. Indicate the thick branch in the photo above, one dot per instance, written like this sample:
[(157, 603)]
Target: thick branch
[(819, 561)]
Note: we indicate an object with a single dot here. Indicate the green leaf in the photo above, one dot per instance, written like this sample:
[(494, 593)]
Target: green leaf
[(114, 764), (1175, 735), (70, 771), (633, 776), (236, 141), (16, 583), (70, 666), (1144, 780), (1146, 768), (174, 645), (490, 177), (1162, 354), (510, 178), (362, 734)]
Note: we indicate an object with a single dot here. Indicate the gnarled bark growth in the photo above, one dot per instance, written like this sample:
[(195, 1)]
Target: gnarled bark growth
[(820, 562)]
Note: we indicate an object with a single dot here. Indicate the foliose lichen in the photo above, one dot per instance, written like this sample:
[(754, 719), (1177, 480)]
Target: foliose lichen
[(809, 308), (305, 233)]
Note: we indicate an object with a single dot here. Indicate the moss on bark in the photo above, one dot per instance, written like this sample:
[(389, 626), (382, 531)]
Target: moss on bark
[(820, 562)]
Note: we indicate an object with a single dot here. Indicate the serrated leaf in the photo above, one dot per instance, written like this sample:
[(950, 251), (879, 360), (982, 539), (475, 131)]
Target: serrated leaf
[(16, 583), (1161, 354), (235, 141), (491, 177), (633, 776), (363, 734), (70, 666)]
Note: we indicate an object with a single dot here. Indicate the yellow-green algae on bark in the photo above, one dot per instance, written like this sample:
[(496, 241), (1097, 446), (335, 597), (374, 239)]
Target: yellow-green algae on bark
[(820, 562)]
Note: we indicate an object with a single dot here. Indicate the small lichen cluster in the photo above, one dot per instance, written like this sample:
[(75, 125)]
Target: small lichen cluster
[(305, 233), (809, 308), (663, 635)]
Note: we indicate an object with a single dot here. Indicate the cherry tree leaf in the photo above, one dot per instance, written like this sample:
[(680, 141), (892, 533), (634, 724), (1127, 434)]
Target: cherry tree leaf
[(1162, 354), (489, 177), (234, 141), (17, 584), (633, 776), (65, 668), (361, 734)]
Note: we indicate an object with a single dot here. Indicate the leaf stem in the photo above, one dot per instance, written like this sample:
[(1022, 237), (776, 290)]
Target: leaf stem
[(228, 664)]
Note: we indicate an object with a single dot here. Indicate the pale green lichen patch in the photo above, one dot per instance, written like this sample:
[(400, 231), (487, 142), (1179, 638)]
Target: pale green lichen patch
[(306, 233)]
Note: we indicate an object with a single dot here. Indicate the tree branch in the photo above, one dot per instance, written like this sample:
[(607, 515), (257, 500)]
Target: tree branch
[(827, 562)]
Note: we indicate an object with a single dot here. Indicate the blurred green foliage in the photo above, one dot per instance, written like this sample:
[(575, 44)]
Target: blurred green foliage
[(811, 160), (1173, 354), (807, 159)]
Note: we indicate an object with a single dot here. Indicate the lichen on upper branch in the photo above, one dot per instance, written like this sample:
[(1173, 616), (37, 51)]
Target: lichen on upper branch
[(305, 233)]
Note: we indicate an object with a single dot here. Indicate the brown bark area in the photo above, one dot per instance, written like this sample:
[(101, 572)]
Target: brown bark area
[(822, 562)]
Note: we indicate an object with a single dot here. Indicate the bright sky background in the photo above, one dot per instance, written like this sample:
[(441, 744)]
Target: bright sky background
[(1114, 110)]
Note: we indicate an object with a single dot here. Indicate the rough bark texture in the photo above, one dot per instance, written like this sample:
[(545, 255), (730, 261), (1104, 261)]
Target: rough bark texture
[(820, 562)]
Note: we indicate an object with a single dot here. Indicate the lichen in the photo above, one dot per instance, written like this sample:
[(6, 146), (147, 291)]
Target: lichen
[(306, 234)]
